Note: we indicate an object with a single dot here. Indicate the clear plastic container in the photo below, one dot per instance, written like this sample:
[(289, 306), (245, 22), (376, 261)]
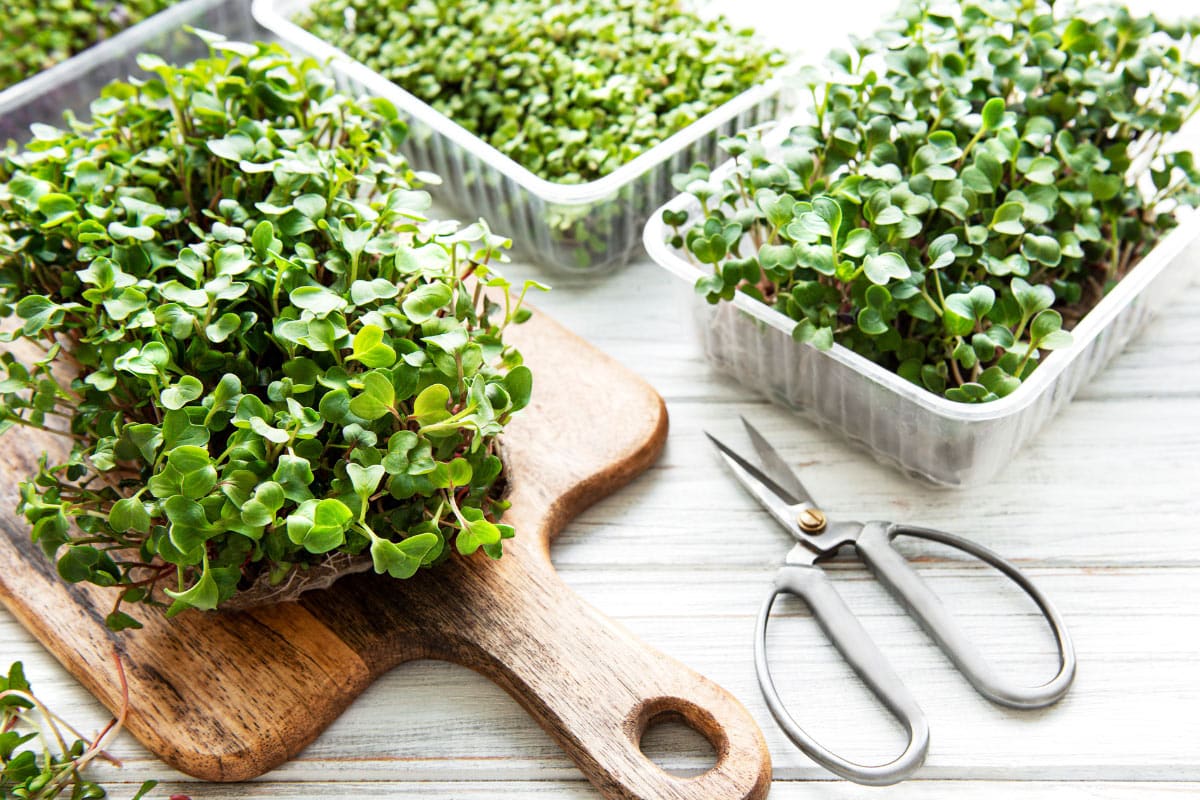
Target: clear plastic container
[(74, 83), (585, 226), (924, 434)]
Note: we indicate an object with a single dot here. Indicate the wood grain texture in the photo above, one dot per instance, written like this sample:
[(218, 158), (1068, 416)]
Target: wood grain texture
[(783, 790), (229, 696)]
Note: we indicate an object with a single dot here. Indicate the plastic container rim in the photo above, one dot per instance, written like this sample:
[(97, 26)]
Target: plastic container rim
[(274, 16), (654, 238)]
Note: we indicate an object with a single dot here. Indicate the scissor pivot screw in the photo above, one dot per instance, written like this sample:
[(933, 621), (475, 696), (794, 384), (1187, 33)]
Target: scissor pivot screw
[(812, 520)]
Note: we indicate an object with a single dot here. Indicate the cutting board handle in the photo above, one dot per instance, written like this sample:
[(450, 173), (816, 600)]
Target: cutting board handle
[(596, 689)]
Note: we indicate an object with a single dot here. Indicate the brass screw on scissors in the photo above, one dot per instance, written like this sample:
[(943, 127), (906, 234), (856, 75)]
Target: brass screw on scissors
[(812, 520)]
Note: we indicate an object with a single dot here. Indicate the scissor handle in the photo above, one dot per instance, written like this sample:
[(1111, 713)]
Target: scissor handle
[(875, 547), (813, 586)]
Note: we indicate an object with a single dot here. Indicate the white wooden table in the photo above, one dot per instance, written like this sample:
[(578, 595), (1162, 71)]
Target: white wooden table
[(1102, 510)]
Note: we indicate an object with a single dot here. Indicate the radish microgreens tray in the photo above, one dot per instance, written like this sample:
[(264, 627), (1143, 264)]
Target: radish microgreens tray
[(38, 35), (267, 358), (569, 90), (974, 179)]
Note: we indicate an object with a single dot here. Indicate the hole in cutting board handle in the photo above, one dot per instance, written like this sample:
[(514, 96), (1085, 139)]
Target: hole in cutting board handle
[(671, 728)]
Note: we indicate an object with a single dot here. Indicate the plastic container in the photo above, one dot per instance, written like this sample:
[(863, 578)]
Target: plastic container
[(924, 434), (584, 226), (74, 83)]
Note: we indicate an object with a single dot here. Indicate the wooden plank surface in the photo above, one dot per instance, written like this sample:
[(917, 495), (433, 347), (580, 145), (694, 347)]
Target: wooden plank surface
[(1101, 509)]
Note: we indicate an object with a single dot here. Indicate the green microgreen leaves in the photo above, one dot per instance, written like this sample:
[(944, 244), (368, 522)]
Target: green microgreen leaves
[(38, 36), (377, 398), (264, 354), (969, 181), (542, 81), (41, 756)]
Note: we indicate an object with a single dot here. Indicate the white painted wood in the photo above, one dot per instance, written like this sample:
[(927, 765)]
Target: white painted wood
[(1102, 509), (578, 790)]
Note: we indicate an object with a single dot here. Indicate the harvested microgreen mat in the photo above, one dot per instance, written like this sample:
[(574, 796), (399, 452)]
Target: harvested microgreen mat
[(569, 90), (38, 35), (267, 358), (974, 178)]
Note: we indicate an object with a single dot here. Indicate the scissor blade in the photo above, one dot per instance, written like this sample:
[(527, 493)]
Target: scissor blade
[(773, 497), (780, 472)]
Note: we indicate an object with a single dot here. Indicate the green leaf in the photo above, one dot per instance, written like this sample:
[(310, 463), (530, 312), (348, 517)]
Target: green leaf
[(858, 242), (294, 474), (263, 238), (476, 533), (402, 559), (370, 350), (317, 299), (178, 395), (430, 406), (1104, 187), (203, 595), (998, 381), (460, 472), (129, 514), (319, 526), (519, 383), (189, 526), (378, 397), (1030, 298), (38, 313), (225, 326), (1041, 171), (118, 621), (1043, 249), (425, 301), (993, 113), (57, 208), (1044, 324), (941, 251), (233, 147), (1007, 219), (365, 480), (870, 322), (963, 310), (882, 268)]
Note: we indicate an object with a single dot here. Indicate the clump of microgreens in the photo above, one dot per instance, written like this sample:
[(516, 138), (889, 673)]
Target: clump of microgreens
[(39, 35), (570, 90), (974, 179), (41, 756), (264, 354)]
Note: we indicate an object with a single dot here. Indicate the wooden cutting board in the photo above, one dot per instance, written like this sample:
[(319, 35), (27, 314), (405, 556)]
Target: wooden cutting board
[(228, 696)]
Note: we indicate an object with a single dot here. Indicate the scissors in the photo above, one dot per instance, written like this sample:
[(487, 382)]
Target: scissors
[(780, 491)]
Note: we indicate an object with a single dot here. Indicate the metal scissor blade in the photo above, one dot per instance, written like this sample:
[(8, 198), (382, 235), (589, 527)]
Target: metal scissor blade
[(781, 473), (751, 475), (773, 497)]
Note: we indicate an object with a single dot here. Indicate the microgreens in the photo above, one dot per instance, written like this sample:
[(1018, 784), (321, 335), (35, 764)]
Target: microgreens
[(264, 353), (974, 179), (41, 756), (570, 90), (39, 35)]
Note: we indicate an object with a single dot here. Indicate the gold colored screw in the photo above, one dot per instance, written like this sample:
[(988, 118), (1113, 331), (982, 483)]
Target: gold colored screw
[(812, 520)]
